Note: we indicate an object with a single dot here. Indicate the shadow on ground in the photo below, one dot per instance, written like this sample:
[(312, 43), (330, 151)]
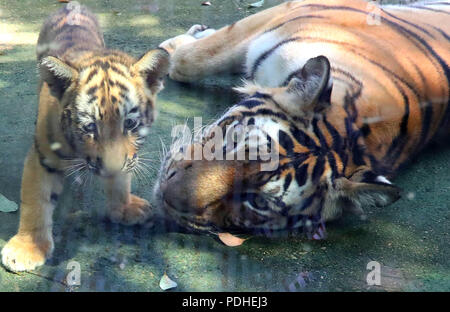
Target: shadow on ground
[(409, 239)]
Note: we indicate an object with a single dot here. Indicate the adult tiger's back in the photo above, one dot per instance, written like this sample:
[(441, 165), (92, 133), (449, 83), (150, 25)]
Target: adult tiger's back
[(390, 64)]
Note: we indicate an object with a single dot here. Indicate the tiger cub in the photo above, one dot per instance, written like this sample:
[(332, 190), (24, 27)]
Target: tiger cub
[(95, 106), (347, 92)]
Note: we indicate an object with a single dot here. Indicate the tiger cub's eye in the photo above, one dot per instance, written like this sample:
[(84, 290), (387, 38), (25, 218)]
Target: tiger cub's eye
[(90, 128), (130, 124)]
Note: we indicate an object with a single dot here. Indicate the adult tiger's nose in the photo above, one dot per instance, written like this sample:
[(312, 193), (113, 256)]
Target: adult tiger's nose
[(193, 185), (176, 191)]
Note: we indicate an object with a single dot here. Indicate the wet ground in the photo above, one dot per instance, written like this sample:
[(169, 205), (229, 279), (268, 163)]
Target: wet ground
[(410, 239)]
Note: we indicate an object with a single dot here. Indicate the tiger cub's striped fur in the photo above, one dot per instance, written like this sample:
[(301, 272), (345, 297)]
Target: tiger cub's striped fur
[(350, 91), (95, 106)]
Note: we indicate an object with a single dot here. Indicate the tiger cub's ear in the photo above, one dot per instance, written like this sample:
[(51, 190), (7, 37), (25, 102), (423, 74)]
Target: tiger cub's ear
[(57, 74), (153, 66), (353, 195), (309, 91)]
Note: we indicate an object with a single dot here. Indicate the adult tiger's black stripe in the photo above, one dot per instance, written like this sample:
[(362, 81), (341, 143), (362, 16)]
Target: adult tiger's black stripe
[(307, 202), (250, 103), (319, 134), (303, 139), (267, 53), (347, 74), (409, 23), (301, 174), (287, 182), (318, 169), (442, 33), (399, 142), (352, 50), (291, 20), (355, 148), (426, 124), (264, 112), (338, 144), (345, 8), (406, 32), (286, 142), (332, 162)]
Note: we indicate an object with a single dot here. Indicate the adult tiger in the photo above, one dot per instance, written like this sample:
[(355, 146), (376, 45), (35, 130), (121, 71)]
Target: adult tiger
[(94, 107), (343, 129)]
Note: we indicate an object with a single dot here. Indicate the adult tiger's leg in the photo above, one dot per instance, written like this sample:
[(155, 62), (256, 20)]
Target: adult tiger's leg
[(33, 243), (124, 207), (219, 52)]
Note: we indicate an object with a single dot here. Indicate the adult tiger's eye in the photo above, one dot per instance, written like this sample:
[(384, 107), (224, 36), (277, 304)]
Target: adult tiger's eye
[(256, 201), (130, 124), (259, 201), (90, 128)]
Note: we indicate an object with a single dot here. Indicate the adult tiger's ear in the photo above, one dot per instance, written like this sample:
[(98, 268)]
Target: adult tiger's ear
[(309, 91), (353, 194), (153, 66), (57, 74)]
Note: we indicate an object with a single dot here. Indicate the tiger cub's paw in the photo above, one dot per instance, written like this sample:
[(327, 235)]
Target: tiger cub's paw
[(137, 211), (23, 253)]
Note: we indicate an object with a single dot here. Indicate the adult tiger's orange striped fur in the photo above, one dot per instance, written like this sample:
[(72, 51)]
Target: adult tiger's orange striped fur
[(352, 91), (95, 105)]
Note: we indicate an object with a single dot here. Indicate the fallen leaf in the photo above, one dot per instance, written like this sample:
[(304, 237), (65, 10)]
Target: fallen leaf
[(256, 4), (166, 283), (7, 205), (231, 240), (63, 1)]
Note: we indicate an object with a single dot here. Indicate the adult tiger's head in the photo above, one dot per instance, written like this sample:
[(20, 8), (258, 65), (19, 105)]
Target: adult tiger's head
[(107, 101), (309, 185)]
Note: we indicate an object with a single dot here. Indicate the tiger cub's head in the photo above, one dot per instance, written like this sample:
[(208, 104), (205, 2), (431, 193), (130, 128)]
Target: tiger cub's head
[(108, 103), (307, 183)]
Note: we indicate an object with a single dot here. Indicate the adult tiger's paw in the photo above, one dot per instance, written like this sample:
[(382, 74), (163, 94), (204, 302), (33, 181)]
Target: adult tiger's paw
[(23, 253), (137, 211), (200, 31)]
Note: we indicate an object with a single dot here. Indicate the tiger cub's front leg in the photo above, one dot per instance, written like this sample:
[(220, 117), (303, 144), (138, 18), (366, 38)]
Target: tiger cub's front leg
[(124, 207), (33, 243)]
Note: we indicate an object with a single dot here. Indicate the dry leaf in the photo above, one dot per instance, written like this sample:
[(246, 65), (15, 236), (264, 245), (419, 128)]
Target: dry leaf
[(231, 240), (166, 283), (256, 4), (7, 205)]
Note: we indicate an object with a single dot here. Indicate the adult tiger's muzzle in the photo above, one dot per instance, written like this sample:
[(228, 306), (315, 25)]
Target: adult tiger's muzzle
[(194, 185)]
